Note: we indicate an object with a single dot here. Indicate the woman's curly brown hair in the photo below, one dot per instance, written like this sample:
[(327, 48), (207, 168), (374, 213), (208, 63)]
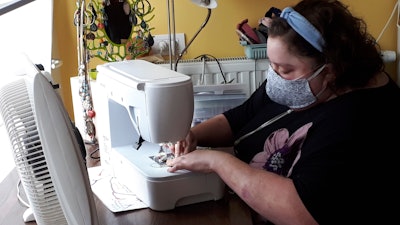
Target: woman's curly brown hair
[(351, 50)]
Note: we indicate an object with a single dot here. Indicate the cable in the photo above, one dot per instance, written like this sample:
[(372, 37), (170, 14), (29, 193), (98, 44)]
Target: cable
[(92, 154), (398, 14), (387, 22), (191, 40), (206, 57), (267, 123), (19, 195)]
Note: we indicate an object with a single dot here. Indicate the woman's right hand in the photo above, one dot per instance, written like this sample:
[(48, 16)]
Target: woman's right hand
[(184, 146)]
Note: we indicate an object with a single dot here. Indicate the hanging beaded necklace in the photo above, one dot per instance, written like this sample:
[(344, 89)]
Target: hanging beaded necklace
[(81, 19)]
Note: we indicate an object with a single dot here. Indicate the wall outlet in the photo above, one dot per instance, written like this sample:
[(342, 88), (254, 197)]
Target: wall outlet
[(161, 44)]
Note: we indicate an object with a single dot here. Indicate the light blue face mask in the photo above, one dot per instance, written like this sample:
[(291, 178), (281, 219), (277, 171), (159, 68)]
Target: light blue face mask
[(295, 94)]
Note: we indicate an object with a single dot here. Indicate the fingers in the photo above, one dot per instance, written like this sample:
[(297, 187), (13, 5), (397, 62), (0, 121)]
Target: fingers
[(173, 164), (176, 149), (171, 147), (179, 149), (172, 167), (182, 147)]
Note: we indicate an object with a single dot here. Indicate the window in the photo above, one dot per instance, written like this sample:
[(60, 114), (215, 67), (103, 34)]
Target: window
[(26, 27)]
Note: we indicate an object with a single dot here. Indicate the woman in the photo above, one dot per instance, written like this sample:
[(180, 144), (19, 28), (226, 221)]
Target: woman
[(312, 144)]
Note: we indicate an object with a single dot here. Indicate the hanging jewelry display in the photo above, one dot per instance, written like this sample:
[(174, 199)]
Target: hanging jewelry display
[(112, 30), (82, 20), (120, 29)]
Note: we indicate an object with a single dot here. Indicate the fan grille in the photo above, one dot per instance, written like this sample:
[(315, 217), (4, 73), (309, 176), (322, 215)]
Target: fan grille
[(20, 123)]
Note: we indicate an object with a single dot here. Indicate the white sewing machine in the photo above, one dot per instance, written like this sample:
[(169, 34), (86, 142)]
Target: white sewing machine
[(141, 105)]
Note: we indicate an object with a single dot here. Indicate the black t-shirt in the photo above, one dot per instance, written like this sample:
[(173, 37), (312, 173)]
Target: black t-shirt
[(339, 154)]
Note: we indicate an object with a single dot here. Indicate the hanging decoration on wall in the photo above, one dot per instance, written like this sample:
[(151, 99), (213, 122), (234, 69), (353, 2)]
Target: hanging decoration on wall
[(80, 21), (119, 29), (111, 30)]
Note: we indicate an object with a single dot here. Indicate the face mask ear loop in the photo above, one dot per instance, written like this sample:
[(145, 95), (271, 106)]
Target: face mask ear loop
[(321, 91), (316, 72), (325, 84)]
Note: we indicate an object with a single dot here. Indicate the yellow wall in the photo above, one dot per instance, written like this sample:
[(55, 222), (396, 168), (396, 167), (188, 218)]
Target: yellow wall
[(218, 38)]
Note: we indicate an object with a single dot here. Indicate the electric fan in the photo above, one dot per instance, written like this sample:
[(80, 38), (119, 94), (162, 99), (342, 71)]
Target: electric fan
[(46, 151)]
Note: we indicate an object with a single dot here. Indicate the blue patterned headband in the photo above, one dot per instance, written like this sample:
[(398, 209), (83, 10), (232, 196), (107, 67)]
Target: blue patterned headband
[(303, 27)]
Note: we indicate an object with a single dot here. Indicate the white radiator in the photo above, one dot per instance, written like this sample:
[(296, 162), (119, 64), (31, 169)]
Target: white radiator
[(251, 72)]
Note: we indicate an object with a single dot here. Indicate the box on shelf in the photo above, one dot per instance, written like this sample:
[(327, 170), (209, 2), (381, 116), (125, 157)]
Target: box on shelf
[(255, 51)]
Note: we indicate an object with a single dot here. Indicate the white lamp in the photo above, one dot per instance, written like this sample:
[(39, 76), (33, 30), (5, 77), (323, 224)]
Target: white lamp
[(209, 4), (10, 5)]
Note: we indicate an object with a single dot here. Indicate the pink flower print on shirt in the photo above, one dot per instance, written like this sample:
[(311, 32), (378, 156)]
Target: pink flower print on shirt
[(281, 151)]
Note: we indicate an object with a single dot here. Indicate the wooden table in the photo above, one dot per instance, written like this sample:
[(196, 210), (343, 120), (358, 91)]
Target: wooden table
[(230, 210)]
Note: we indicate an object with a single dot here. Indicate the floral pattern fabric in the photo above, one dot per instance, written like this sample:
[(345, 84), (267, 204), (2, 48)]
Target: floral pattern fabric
[(281, 151)]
